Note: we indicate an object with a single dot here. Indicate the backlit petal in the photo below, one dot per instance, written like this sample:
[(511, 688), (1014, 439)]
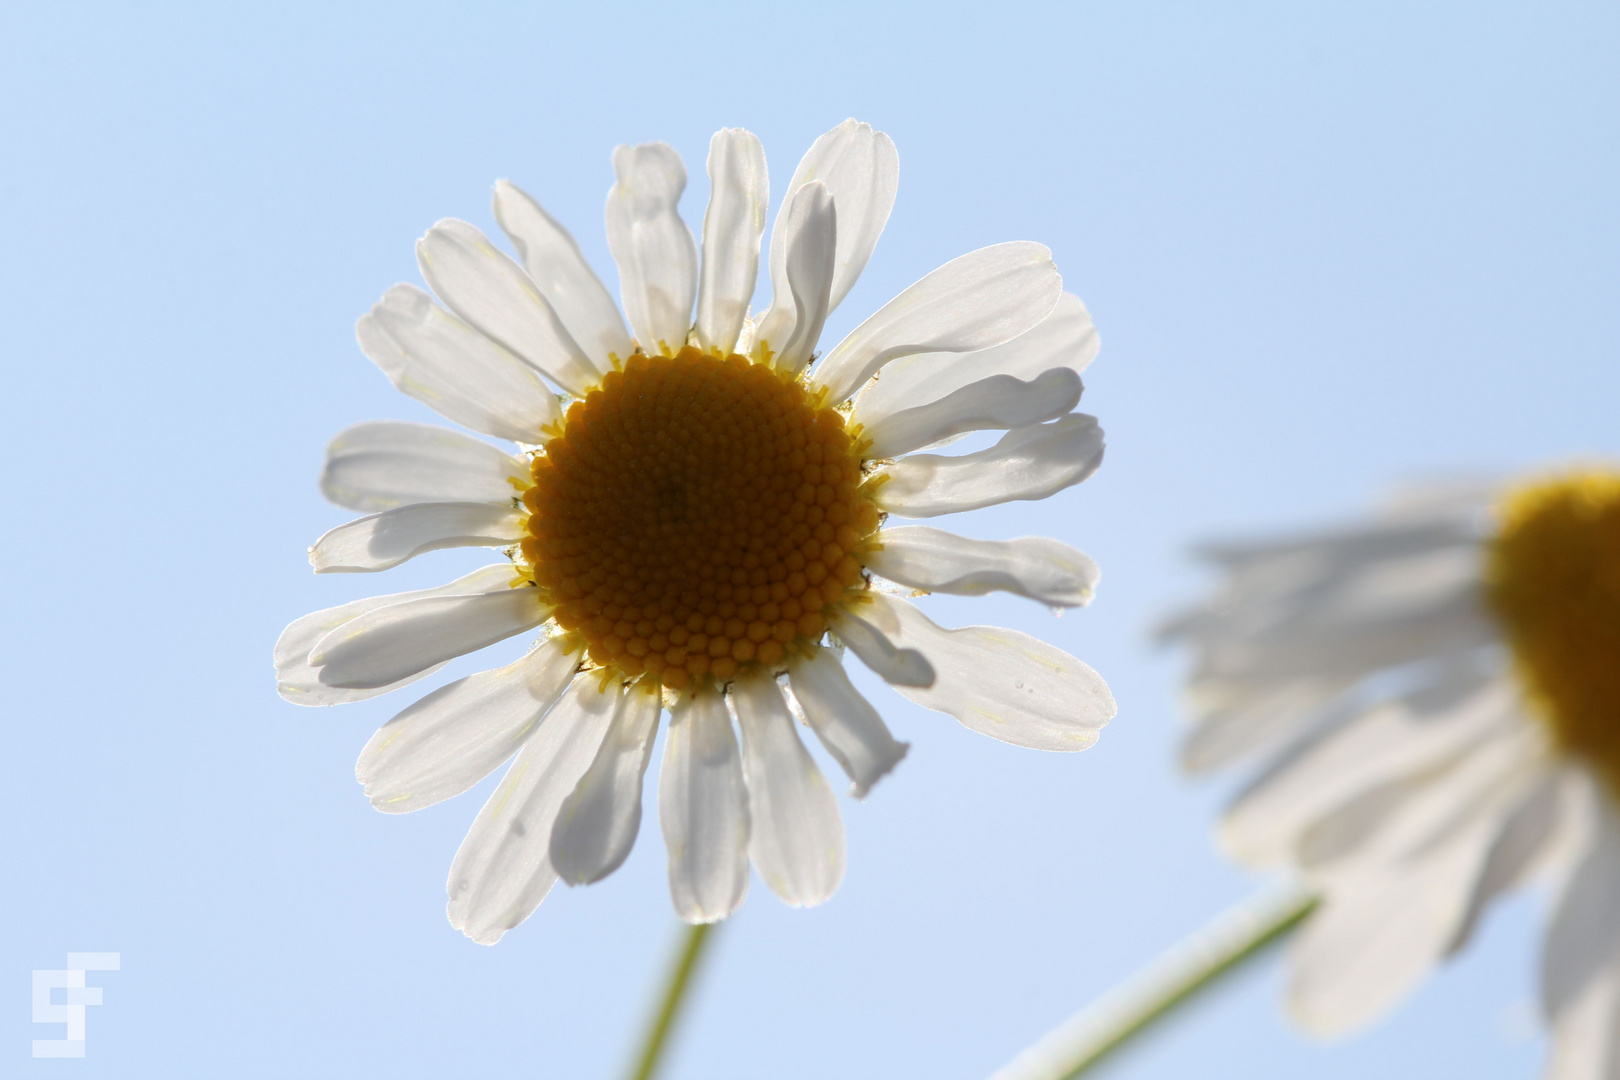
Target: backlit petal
[(739, 193), (703, 810), (490, 291), (502, 870), (453, 369), (383, 464), (381, 541), (860, 168), (999, 682), (845, 722), (300, 684), (654, 250), (391, 643), (937, 561), (1027, 463), (973, 302), (559, 270), (796, 838), (597, 824), (460, 733)]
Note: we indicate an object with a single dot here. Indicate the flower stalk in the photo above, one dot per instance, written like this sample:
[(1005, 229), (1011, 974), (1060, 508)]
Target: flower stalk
[(1200, 961), (693, 940)]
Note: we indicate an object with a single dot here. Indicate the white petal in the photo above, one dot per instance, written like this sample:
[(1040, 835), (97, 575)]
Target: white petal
[(1407, 736), (1586, 1033), (299, 683), (845, 722), (452, 368), (703, 810), (1327, 614), (739, 192), (597, 824), (388, 644), (1001, 401), (491, 292), (1365, 947), (1345, 548), (653, 248), (796, 838), (381, 541), (1394, 907), (793, 325), (1583, 942), (460, 733), (1027, 463), (559, 270), (897, 666), (388, 463), (999, 682), (981, 299), (502, 871), (1066, 338), (937, 561), (862, 171), (1526, 833), (1233, 720), (1406, 815)]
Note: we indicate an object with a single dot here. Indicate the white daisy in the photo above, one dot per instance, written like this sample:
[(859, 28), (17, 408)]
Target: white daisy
[(693, 511), (1435, 699)]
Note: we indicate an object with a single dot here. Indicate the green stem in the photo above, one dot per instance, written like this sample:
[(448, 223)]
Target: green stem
[(680, 979), (1198, 962)]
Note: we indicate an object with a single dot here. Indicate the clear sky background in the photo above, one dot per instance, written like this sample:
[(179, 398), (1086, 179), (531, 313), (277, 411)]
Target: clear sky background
[(1327, 250)]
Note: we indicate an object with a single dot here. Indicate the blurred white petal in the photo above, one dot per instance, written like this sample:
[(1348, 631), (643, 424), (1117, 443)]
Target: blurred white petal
[(1407, 736)]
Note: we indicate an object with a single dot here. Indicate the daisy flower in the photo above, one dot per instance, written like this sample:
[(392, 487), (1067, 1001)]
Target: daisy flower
[(1434, 700), (693, 518)]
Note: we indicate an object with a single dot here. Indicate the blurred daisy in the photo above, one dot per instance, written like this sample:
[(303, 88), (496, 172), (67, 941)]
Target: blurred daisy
[(693, 518), (1434, 696)]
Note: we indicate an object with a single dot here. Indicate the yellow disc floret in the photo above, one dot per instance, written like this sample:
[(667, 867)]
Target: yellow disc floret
[(1553, 579), (696, 514)]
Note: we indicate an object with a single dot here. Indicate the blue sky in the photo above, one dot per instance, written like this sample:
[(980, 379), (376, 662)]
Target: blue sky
[(1327, 250)]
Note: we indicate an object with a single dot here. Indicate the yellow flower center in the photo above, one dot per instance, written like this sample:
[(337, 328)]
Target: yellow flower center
[(696, 514), (1553, 578)]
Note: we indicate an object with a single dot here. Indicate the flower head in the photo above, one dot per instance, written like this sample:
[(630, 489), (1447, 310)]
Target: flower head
[(1435, 698), (693, 519)]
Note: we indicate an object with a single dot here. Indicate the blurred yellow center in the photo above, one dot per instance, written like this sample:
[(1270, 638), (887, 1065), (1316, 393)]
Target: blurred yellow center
[(1553, 578), (696, 514)]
